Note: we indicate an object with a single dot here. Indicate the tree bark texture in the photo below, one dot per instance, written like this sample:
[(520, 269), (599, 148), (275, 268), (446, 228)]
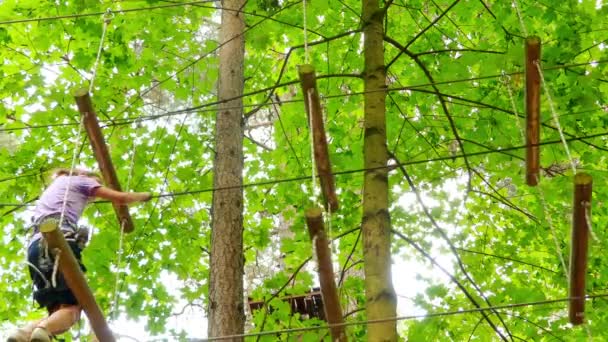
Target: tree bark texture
[(102, 155), (226, 304), (331, 299), (379, 292)]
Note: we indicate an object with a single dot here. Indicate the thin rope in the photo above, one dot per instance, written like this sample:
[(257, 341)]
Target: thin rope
[(93, 14), (555, 116), (199, 108), (46, 281), (56, 266), (306, 56), (315, 187), (521, 20), (114, 310), (72, 166), (540, 190), (507, 81), (328, 220), (403, 318), (353, 171), (107, 18), (547, 92), (589, 336), (558, 250), (588, 219)]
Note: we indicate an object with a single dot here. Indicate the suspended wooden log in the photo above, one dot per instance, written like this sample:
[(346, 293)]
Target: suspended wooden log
[(315, 117), (333, 310), (100, 149), (580, 236), (69, 267), (532, 110)]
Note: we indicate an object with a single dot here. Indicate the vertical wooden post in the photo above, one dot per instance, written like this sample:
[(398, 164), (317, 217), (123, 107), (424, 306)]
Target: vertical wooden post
[(333, 310), (98, 144), (313, 108), (532, 110), (69, 267), (580, 236)]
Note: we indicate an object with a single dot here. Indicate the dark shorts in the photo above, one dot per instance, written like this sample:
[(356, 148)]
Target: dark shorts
[(44, 293)]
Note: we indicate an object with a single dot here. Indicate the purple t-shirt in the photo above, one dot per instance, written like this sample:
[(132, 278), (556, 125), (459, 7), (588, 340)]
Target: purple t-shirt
[(51, 200)]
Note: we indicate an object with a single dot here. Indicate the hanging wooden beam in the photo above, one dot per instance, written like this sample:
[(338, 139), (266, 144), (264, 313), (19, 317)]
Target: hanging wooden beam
[(532, 111), (69, 267), (580, 236), (100, 149), (321, 154), (333, 310)]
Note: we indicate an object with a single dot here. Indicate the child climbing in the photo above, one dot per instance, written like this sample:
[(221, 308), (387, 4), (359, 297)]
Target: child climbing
[(51, 290)]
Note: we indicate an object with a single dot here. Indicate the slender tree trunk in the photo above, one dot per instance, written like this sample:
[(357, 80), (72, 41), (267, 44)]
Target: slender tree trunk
[(226, 311), (380, 296)]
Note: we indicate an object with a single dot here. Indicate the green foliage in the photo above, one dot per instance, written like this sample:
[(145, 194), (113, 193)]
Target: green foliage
[(502, 231)]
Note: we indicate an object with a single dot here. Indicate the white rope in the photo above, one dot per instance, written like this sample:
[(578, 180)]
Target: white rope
[(107, 17), (329, 228), (515, 112), (587, 206), (589, 336), (548, 94), (315, 187), (540, 192), (72, 166), (56, 266), (521, 20), (121, 240), (555, 117), (306, 57), (553, 233), (46, 281)]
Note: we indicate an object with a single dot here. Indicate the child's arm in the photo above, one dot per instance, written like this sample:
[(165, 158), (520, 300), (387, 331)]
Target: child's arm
[(120, 197)]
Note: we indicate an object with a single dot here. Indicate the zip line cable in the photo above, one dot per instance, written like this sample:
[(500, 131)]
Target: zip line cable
[(405, 318), (93, 14), (353, 171), (130, 120)]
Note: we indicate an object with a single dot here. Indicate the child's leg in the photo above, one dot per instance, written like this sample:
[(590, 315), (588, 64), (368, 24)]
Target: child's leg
[(61, 320)]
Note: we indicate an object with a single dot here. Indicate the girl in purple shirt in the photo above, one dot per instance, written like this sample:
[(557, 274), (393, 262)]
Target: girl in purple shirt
[(53, 294)]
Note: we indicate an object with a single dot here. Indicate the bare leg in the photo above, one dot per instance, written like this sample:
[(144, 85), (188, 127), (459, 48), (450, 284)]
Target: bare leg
[(61, 320)]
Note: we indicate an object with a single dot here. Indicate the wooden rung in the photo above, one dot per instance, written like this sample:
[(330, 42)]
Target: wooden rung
[(321, 154), (329, 291), (100, 149), (69, 267), (532, 110), (580, 237)]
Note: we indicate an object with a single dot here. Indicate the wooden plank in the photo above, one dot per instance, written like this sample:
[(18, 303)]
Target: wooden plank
[(333, 310), (321, 154), (532, 111), (580, 237), (100, 149), (69, 267)]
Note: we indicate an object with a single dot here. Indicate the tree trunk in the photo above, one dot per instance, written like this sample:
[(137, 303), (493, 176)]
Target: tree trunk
[(226, 304), (380, 296)]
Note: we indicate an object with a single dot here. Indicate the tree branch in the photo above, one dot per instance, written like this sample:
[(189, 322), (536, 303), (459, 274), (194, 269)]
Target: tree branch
[(452, 248), (441, 101), (458, 50), (420, 34), (454, 280)]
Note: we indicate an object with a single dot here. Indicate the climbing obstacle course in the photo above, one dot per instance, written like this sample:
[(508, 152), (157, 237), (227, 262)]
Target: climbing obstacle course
[(69, 267), (532, 111), (315, 119), (100, 149), (581, 224)]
